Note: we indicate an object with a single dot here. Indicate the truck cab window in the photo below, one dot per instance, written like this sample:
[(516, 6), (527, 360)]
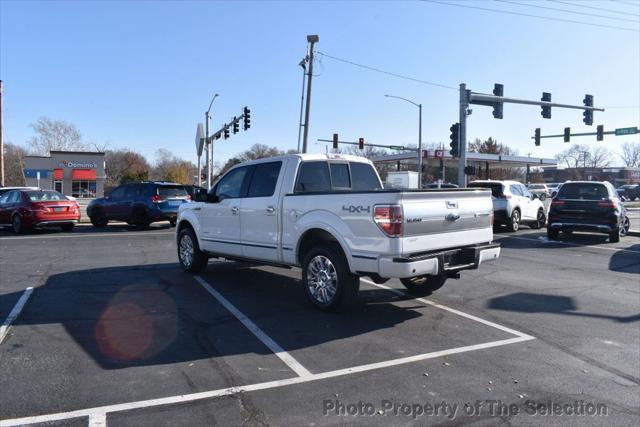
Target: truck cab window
[(264, 179), (364, 177), (313, 177), (230, 187), (340, 179)]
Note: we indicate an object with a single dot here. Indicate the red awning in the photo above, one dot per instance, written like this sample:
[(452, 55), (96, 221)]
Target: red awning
[(58, 174), (89, 174)]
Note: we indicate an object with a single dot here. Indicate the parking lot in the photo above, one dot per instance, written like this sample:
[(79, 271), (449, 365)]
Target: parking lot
[(114, 333)]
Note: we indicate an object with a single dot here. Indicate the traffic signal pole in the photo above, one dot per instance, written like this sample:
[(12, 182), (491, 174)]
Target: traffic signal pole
[(462, 135)]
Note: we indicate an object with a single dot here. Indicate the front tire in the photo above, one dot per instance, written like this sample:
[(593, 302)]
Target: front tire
[(140, 219), (514, 224), (191, 258), (16, 223), (99, 219), (327, 280), (423, 285)]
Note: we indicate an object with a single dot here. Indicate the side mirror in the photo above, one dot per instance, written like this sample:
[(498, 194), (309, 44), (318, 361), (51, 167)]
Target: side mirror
[(212, 198), (534, 196), (199, 195)]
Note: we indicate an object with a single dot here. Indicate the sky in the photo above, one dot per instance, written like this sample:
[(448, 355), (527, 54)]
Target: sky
[(140, 75)]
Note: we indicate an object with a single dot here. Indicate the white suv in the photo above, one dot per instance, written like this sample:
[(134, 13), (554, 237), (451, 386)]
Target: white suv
[(514, 204)]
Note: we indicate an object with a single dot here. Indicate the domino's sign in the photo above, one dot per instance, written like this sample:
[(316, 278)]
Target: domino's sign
[(81, 165)]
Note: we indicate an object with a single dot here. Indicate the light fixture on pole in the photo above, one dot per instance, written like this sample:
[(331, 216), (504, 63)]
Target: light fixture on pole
[(419, 134)]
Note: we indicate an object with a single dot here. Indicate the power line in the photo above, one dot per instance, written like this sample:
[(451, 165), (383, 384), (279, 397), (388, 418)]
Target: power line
[(378, 70), (532, 16), (635, 21), (593, 7), (627, 2)]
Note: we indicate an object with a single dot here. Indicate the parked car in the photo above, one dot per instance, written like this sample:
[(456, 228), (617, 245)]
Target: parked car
[(139, 204), (330, 215), (5, 189), (588, 206), (24, 210), (441, 185), (540, 190), (629, 191), (513, 204), (553, 188)]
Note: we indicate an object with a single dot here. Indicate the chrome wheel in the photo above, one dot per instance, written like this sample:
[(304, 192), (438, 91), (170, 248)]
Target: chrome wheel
[(515, 220), (186, 251), (322, 279), (624, 228), (542, 219)]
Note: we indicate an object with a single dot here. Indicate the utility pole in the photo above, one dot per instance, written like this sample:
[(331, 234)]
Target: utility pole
[(1, 141), (304, 75), (312, 39), (462, 135), (420, 145)]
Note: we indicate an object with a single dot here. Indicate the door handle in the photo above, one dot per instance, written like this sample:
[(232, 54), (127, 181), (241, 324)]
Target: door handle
[(235, 210), (196, 209), (271, 209)]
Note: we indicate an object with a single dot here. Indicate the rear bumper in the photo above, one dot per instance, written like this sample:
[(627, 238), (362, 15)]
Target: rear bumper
[(501, 217), (55, 222), (575, 226), (443, 262)]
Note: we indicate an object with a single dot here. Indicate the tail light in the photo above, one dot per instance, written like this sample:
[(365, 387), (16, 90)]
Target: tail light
[(156, 198), (607, 204), (389, 219), (557, 203)]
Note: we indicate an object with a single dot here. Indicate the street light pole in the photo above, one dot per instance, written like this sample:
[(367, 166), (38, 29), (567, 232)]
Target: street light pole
[(304, 75), (419, 134), (209, 155), (312, 40)]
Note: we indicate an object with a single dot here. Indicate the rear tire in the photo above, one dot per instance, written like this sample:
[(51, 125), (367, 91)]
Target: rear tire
[(67, 228), (172, 222), (552, 234), (514, 224), (191, 258), (140, 218), (327, 280), (16, 222), (423, 285), (541, 220)]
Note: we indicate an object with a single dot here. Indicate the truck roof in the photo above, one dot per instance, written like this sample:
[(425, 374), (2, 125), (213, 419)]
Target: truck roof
[(309, 157)]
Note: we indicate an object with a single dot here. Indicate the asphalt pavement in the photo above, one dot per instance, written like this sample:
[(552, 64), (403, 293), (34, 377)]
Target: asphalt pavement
[(115, 333)]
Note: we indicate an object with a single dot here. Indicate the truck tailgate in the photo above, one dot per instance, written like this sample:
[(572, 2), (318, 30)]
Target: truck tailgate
[(446, 218)]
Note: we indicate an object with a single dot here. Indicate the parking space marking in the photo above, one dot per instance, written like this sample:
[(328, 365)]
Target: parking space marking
[(15, 312), (97, 415), (292, 363), (453, 310), (571, 244), (102, 234)]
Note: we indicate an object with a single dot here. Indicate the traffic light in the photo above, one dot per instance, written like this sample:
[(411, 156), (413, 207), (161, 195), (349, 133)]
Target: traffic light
[(226, 132), (246, 115), (236, 125), (361, 143), (537, 137), (335, 141), (546, 111), (600, 133), (567, 134), (498, 90), (587, 115), (454, 144)]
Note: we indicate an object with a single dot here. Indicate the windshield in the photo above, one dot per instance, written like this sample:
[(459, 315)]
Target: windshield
[(583, 192), (45, 196)]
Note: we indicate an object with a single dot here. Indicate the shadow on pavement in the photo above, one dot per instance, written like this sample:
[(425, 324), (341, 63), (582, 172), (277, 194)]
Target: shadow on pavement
[(157, 314), (556, 304), (626, 262), (86, 229)]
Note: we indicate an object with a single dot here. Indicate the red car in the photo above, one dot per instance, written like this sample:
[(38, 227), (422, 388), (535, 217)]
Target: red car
[(27, 209)]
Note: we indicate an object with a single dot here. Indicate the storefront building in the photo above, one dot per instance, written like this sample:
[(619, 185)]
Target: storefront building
[(80, 174), (616, 176)]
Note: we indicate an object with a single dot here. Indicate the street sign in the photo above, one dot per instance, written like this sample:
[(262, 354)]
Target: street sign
[(439, 154), (626, 131), (199, 139), (396, 147)]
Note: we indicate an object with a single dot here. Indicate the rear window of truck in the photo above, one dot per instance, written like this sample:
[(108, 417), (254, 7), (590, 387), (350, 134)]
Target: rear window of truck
[(324, 176)]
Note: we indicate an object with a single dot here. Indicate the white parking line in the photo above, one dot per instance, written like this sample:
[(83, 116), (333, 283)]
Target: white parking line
[(255, 330), (606, 248), (15, 312), (94, 235), (98, 419), (98, 414)]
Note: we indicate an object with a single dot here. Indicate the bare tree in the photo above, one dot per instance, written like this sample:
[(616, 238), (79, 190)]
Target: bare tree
[(631, 154), (14, 164), (574, 156), (172, 168), (125, 166), (55, 135), (598, 157)]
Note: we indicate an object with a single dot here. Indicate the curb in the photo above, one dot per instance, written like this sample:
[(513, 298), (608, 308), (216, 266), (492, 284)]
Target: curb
[(634, 233)]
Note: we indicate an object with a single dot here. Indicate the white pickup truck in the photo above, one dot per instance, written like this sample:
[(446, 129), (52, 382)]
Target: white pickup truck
[(330, 215)]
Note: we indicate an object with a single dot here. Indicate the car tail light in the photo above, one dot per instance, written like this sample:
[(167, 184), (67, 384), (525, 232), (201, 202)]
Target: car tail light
[(607, 204), (156, 198), (557, 203), (389, 219)]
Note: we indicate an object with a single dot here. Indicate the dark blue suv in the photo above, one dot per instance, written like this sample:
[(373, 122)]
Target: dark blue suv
[(139, 204)]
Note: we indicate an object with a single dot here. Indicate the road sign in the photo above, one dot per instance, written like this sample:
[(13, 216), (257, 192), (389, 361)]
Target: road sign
[(199, 139), (626, 131), (396, 147), (439, 154)]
